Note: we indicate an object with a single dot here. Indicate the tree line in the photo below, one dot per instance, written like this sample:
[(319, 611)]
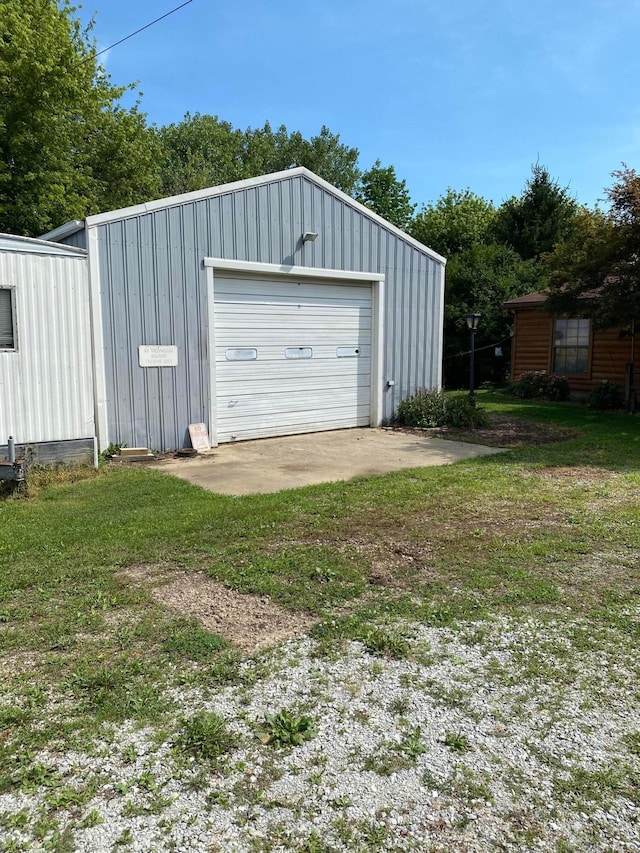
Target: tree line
[(69, 148)]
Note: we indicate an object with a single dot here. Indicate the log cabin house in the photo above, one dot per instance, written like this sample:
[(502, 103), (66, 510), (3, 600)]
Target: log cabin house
[(569, 346)]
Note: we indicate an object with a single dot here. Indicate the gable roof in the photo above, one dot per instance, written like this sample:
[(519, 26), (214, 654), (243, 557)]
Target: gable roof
[(70, 228), (529, 300)]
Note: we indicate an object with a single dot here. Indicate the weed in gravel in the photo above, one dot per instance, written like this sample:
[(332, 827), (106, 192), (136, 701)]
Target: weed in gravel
[(391, 757), (411, 744), (399, 706), (205, 737), (386, 763), (469, 785), (596, 785), (124, 839), (92, 818), (385, 643), (286, 729), (457, 742), (632, 741)]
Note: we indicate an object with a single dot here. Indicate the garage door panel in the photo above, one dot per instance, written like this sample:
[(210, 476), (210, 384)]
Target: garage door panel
[(289, 424), (301, 370), (290, 384), (276, 395), (272, 291), (264, 321), (286, 401)]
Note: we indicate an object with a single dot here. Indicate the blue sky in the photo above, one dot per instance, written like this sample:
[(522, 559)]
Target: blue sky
[(453, 93)]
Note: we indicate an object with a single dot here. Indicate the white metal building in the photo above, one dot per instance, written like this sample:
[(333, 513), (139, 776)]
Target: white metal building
[(46, 373), (270, 306)]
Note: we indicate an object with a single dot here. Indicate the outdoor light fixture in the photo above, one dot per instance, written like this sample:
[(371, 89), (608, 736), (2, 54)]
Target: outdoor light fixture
[(472, 325), (472, 322), (309, 236)]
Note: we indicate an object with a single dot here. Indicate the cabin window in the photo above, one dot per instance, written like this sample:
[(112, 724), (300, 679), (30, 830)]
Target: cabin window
[(7, 321), (571, 345)]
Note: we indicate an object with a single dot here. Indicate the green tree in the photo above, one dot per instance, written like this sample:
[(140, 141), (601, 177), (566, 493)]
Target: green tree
[(203, 151), (66, 146), (541, 217), (595, 271), (382, 192), (456, 221), (481, 274), (198, 152)]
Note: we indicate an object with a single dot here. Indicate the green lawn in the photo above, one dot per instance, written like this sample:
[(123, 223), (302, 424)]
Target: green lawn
[(554, 528)]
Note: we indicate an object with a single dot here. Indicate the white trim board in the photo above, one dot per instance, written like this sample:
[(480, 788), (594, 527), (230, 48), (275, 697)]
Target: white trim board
[(277, 271), (293, 271), (97, 342)]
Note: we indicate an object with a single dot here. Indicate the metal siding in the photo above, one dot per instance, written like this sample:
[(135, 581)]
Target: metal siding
[(46, 386), (79, 239), (154, 291)]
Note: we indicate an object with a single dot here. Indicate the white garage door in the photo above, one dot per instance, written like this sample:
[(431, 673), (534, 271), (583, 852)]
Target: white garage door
[(291, 356)]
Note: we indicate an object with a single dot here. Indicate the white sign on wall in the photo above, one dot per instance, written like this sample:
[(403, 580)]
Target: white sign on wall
[(199, 437), (158, 356)]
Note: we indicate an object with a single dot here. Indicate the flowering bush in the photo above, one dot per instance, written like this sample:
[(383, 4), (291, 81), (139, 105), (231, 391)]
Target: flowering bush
[(533, 383)]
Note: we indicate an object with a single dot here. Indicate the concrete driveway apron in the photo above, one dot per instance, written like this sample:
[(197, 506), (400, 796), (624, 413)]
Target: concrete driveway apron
[(272, 464)]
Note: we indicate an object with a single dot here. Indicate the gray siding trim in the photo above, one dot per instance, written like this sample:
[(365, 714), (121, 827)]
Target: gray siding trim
[(77, 451), (32, 246), (154, 291)]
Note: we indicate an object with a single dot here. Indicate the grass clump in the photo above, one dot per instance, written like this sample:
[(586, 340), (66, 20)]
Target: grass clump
[(192, 641), (431, 408), (383, 643), (205, 737)]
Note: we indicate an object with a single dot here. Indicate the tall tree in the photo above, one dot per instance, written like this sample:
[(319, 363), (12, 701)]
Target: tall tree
[(203, 151), (456, 221), (481, 274), (67, 148), (541, 217), (595, 272), (387, 196), (200, 151)]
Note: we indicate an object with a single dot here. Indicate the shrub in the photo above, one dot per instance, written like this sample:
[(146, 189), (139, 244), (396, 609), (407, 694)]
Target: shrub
[(557, 388), (422, 409), (462, 413), (606, 395), (533, 383), (434, 409)]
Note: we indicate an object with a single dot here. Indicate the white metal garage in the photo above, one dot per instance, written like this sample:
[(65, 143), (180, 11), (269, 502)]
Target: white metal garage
[(294, 353)]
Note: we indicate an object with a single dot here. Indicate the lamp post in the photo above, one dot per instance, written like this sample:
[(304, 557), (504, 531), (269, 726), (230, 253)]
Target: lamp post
[(472, 325)]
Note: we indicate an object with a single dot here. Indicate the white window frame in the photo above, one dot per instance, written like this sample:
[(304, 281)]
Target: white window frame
[(12, 310)]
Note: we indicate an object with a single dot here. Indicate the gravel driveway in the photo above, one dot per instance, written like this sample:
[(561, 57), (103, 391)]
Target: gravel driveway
[(497, 735)]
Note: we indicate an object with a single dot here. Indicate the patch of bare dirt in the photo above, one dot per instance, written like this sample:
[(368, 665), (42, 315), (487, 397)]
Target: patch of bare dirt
[(578, 474), (250, 622), (502, 431)]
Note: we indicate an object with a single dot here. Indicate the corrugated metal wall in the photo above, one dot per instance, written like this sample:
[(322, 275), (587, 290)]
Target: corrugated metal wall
[(154, 292), (46, 385)]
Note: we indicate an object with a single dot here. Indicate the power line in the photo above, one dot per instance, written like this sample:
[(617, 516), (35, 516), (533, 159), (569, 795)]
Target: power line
[(142, 29)]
